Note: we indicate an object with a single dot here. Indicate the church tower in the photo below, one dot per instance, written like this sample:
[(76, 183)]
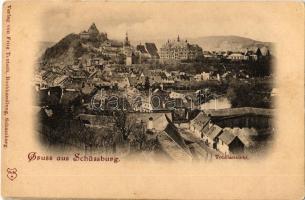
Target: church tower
[(127, 50), (126, 42)]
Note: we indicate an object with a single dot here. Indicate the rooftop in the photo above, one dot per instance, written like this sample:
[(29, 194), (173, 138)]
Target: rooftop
[(227, 136), (214, 131), (239, 111), (201, 119)]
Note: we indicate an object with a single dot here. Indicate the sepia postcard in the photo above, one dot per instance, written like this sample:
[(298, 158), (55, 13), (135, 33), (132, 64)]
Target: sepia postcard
[(153, 100)]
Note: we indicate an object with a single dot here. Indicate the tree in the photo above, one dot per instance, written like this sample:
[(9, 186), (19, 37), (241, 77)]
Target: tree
[(140, 136), (231, 94), (123, 123), (147, 83), (253, 94), (87, 137)]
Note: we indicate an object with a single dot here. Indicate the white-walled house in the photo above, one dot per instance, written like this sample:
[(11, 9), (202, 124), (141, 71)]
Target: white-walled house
[(198, 123), (176, 95), (205, 76), (202, 77), (210, 134), (237, 57), (229, 143)]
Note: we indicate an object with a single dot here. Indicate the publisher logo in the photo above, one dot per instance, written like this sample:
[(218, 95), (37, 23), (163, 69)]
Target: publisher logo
[(11, 173)]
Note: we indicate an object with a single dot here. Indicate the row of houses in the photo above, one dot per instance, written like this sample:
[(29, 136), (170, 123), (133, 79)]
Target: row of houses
[(231, 130), (75, 78), (173, 145), (254, 54), (214, 136), (218, 137)]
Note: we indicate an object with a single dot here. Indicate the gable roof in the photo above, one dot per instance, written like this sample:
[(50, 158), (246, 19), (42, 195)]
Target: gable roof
[(172, 149), (172, 131), (214, 131), (60, 79), (265, 51), (258, 52), (243, 134), (141, 48), (227, 137), (152, 49), (200, 120)]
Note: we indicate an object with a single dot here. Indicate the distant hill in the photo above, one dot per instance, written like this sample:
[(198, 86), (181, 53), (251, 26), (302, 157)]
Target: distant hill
[(226, 43)]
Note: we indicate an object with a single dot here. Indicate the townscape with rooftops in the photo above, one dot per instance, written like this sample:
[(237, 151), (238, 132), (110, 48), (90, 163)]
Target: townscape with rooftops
[(173, 101)]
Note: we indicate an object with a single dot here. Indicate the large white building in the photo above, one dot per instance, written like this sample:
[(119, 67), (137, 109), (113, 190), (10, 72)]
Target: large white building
[(179, 50)]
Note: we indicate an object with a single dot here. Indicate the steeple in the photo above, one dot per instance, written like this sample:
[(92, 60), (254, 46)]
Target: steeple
[(93, 29), (178, 38), (126, 43), (93, 26)]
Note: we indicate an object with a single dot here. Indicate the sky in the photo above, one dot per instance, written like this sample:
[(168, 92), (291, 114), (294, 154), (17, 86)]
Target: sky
[(151, 21)]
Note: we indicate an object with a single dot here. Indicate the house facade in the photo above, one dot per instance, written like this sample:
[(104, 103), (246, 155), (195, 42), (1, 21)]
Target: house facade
[(198, 123), (179, 50), (229, 143)]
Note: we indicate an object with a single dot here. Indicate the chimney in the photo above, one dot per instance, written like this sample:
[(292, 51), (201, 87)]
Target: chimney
[(187, 115), (150, 124)]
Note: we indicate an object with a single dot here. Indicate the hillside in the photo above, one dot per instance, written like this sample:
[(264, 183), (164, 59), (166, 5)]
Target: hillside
[(225, 43), (42, 46), (65, 51)]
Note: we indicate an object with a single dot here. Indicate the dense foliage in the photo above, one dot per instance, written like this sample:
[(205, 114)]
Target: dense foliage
[(252, 94)]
